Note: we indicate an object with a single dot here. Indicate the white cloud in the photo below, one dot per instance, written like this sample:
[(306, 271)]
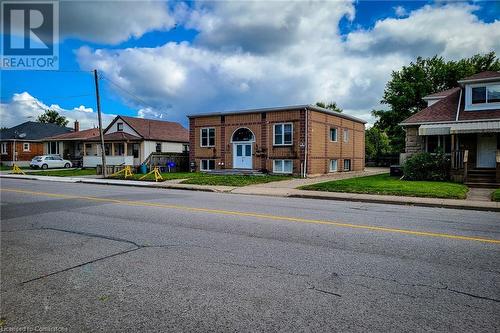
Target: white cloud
[(24, 107), (113, 22), (400, 11), (254, 54)]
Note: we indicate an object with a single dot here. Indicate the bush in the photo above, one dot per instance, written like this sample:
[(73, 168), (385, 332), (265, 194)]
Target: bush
[(425, 166)]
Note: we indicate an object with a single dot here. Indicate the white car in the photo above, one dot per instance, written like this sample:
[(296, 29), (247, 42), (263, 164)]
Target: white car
[(49, 161)]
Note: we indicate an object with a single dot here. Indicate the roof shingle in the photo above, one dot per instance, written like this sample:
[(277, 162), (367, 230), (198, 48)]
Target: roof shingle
[(158, 129), (33, 131)]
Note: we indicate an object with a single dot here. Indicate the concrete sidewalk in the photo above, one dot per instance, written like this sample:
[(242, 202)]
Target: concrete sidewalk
[(285, 189)]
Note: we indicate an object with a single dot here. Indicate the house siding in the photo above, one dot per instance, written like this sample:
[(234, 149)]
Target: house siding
[(23, 158), (320, 150)]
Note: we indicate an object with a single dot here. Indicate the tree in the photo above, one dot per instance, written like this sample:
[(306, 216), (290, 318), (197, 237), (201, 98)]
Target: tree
[(406, 88), (330, 106), (52, 117), (376, 143)]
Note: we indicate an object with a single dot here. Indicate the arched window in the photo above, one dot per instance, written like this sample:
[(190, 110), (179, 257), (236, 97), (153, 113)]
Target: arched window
[(243, 134)]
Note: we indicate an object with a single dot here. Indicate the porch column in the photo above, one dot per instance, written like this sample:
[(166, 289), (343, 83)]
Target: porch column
[(112, 149), (125, 149), (84, 149), (453, 152)]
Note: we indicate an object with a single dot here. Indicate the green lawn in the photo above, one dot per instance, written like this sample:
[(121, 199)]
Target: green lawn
[(65, 173), (199, 178), (495, 196), (234, 180), (6, 168), (384, 184)]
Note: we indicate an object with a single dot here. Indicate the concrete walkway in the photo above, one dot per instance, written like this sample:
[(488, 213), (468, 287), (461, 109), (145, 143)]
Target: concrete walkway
[(479, 194)]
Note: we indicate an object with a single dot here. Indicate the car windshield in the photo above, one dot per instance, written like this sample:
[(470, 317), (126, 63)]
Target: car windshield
[(37, 158)]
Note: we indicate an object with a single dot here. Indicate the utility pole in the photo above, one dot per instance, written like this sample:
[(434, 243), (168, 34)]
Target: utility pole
[(101, 134)]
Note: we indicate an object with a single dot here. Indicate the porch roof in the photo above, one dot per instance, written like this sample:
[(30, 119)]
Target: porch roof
[(460, 128), (117, 136)]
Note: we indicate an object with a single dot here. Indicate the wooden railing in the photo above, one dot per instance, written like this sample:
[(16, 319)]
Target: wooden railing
[(457, 159)]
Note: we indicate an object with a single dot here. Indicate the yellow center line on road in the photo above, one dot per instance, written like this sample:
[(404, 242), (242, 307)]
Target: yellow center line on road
[(257, 215)]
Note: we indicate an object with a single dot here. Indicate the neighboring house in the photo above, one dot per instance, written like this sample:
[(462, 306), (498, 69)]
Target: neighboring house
[(21, 143), (299, 140), (464, 122), (127, 140)]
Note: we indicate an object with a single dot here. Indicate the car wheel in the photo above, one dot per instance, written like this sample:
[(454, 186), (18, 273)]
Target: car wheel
[(66, 165), (45, 166)]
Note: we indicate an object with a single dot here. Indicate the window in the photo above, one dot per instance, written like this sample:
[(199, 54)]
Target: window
[(119, 149), (207, 165), (208, 137), (53, 148), (493, 94), (242, 134), (26, 146), (333, 165), (333, 134), (282, 166), (119, 127), (347, 165), (185, 148), (283, 134), (158, 147), (478, 95), (4, 148), (435, 143), (346, 135)]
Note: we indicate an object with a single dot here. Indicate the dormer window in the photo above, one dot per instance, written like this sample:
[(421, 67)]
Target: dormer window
[(485, 96)]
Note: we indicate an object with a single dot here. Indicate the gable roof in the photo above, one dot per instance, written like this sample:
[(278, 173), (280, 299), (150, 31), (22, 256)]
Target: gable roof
[(442, 94), (445, 110), (159, 130), (80, 135), (483, 76), (34, 131)]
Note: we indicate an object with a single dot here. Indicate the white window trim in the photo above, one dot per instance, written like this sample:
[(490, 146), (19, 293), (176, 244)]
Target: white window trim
[(336, 134), (480, 106), (208, 137), (345, 137), (336, 165), (4, 148), (282, 166), (208, 164), (283, 134), (24, 147)]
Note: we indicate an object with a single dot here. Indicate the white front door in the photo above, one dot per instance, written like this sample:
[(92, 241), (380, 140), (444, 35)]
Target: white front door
[(486, 151), (242, 156)]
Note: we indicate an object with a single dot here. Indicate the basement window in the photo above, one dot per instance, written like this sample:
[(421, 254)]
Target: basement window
[(282, 166), (207, 165)]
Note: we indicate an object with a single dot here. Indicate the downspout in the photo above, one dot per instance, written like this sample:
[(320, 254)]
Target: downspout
[(306, 146), (458, 108)]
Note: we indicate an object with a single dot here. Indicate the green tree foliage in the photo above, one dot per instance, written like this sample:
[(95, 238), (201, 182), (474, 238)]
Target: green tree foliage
[(376, 143), (406, 88), (52, 117), (330, 106)]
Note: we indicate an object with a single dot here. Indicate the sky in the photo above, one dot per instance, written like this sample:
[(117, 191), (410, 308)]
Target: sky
[(164, 60)]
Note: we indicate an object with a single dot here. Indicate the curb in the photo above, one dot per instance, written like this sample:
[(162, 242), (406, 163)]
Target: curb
[(291, 195), (401, 203)]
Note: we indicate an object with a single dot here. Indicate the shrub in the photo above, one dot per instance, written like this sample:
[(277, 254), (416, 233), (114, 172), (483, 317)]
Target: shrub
[(425, 166)]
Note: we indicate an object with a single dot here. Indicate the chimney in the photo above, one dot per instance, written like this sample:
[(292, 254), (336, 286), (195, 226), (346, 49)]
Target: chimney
[(77, 126)]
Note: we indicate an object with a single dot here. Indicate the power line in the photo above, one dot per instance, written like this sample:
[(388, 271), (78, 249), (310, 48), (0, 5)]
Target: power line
[(128, 92)]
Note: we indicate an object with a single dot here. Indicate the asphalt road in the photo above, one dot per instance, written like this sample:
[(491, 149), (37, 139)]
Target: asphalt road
[(82, 258)]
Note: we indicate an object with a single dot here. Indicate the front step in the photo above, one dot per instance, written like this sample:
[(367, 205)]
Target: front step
[(482, 185)]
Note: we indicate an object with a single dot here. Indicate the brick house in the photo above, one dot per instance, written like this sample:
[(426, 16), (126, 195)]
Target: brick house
[(21, 143), (299, 140), (464, 122)]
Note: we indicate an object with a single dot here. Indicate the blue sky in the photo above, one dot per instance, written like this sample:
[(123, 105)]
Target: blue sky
[(184, 58)]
